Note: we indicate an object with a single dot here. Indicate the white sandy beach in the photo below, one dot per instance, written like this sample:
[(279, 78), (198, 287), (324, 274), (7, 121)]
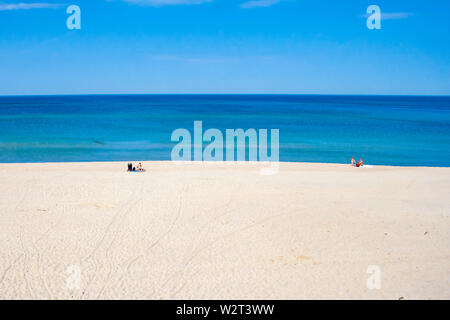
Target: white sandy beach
[(202, 231)]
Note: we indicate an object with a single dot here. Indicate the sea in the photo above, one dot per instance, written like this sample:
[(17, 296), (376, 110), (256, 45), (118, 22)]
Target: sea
[(382, 130)]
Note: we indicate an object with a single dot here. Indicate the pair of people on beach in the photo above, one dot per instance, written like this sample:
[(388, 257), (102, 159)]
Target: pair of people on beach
[(357, 163), (133, 169)]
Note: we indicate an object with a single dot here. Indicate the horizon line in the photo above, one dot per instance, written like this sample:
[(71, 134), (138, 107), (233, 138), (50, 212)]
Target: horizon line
[(223, 94)]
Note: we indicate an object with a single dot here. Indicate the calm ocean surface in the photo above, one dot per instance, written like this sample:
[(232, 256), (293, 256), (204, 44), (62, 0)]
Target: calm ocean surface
[(406, 131)]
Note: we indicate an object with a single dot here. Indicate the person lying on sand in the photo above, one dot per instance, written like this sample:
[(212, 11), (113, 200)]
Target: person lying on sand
[(139, 168)]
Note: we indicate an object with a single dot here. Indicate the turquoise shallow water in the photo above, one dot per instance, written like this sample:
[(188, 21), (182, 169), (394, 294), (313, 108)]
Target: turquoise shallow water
[(403, 130)]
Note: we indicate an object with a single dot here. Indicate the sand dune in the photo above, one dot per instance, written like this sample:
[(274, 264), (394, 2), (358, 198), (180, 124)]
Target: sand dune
[(200, 231)]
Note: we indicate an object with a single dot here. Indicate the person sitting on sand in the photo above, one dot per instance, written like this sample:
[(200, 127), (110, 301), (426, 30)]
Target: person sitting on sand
[(353, 161), (359, 163), (139, 168)]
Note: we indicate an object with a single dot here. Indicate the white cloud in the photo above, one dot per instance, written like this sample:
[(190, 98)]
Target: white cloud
[(27, 6), (259, 3), (157, 3), (391, 15), (192, 59), (395, 15)]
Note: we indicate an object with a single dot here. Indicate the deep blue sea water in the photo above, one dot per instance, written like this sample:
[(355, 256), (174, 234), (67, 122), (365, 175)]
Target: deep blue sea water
[(387, 130)]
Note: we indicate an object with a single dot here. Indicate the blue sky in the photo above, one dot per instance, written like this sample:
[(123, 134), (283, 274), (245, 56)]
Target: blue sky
[(224, 46)]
